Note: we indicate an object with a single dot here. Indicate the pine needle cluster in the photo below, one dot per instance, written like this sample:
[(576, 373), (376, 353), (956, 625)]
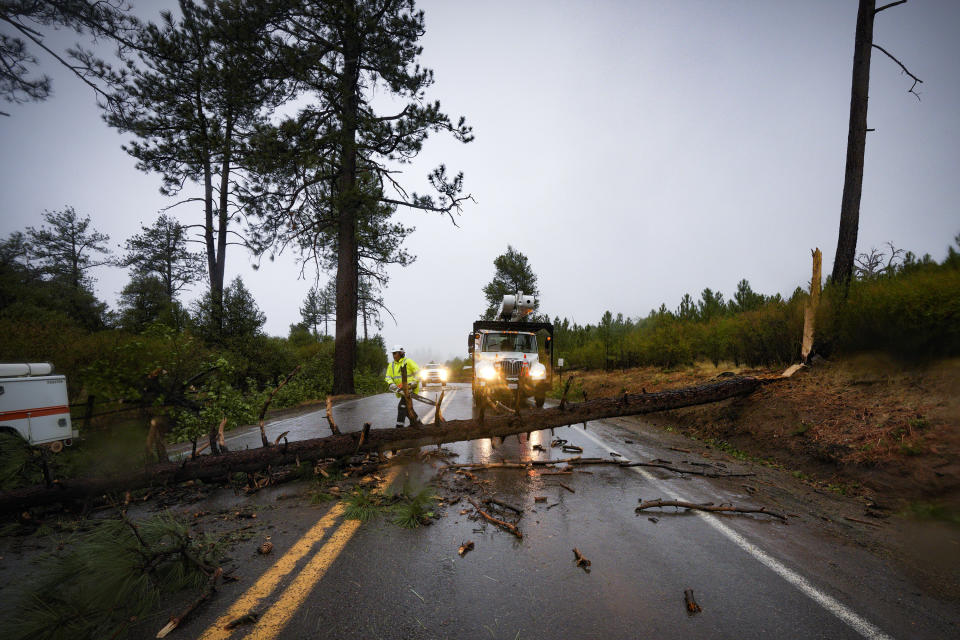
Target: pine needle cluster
[(362, 505), (413, 507), (109, 578)]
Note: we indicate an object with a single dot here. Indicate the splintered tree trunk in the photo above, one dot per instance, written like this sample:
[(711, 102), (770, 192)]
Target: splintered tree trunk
[(213, 467), (856, 145), (810, 310)]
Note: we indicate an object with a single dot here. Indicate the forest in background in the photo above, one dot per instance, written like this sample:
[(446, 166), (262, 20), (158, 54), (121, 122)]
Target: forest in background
[(897, 303)]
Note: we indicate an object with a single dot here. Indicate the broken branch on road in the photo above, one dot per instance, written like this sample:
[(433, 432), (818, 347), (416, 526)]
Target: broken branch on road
[(692, 472), (506, 526), (653, 504), (210, 590), (581, 561)]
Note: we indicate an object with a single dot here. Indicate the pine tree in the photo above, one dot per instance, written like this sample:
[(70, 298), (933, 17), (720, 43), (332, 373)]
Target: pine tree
[(31, 22), (310, 310), (513, 274), (711, 305), (161, 251), (746, 299), (338, 156), (197, 88), (65, 250)]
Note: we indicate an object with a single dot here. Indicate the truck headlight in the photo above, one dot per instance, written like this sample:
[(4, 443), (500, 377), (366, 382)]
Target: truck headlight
[(538, 371), (444, 374), (486, 371)]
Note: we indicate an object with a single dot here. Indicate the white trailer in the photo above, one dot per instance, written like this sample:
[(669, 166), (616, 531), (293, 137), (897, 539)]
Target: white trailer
[(34, 404)]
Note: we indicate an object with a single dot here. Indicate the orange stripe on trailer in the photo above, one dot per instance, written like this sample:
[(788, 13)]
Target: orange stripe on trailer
[(39, 412)]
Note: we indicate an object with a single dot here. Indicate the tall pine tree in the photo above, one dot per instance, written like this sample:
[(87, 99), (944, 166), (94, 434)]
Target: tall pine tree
[(339, 155), (513, 273)]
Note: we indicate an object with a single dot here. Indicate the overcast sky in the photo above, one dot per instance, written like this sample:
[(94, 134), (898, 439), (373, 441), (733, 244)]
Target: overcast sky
[(634, 151)]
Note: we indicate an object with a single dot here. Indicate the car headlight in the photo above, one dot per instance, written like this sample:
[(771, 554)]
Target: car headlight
[(486, 371), (444, 374), (423, 375), (538, 371)]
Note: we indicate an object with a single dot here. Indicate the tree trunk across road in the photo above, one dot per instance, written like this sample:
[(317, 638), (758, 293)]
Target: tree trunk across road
[(213, 467)]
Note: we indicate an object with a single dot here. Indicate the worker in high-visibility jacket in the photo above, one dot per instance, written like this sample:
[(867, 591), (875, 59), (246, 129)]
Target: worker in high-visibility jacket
[(395, 380)]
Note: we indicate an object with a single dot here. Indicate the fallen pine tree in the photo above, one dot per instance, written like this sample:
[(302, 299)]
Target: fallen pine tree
[(212, 467)]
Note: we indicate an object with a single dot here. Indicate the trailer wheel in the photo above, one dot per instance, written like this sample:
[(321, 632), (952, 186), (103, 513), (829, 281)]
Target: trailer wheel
[(56, 446)]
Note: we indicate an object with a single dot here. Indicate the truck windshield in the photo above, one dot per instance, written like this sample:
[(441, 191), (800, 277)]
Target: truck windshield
[(522, 342)]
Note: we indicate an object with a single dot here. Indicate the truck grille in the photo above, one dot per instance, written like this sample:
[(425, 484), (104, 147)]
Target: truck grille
[(510, 368)]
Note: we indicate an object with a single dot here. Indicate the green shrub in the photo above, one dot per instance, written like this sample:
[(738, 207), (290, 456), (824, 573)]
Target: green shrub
[(912, 315)]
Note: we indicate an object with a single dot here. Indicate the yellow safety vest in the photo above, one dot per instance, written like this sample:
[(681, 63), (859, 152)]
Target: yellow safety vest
[(395, 374)]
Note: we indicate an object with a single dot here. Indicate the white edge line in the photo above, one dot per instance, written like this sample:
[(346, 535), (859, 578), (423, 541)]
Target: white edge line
[(859, 624)]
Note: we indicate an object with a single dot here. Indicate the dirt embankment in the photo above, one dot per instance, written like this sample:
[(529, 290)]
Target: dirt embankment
[(865, 425)]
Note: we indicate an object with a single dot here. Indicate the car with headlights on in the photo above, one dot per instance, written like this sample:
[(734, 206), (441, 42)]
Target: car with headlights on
[(433, 373)]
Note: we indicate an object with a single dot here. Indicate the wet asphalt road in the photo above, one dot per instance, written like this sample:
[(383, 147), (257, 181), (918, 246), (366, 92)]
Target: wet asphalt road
[(754, 577)]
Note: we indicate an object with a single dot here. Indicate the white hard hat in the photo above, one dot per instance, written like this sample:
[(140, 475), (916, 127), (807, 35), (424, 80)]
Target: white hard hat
[(398, 347)]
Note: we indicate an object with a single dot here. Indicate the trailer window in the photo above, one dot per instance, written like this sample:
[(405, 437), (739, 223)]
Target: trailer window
[(501, 342)]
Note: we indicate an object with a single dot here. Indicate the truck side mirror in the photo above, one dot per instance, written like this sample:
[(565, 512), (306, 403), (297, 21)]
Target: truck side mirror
[(470, 343)]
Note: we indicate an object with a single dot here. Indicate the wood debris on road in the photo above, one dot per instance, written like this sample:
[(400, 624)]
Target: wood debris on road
[(505, 505), (692, 606), (565, 487), (729, 508), (506, 526), (581, 561), (208, 592), (465, 547)]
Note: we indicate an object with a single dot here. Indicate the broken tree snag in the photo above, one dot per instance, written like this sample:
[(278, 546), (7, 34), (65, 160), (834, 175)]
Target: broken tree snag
[(810, 309), (582, 562), (266, 405), (438, 417), (692, 606), (334, 429), (221, 440), (729, 508), (337, 445), (414, 418), (506, 526), (364, 433)]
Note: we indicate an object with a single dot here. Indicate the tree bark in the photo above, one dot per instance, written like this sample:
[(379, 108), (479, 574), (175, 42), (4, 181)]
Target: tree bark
[(856, 146), (214, 467), (345, 341)]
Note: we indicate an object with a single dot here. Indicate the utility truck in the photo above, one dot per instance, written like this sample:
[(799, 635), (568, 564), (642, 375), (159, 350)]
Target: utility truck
[(34, 405), (506, 354)]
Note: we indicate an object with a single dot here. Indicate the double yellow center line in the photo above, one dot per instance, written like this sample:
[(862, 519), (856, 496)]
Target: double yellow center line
[(276, 617)]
